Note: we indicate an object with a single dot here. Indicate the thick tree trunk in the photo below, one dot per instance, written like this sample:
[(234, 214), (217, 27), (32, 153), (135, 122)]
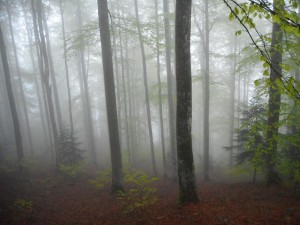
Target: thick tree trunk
[(146, 86), (171, 105), (20, 82), (17, 130), (186, 170), (116, 158), (118, 87), (274, 101)]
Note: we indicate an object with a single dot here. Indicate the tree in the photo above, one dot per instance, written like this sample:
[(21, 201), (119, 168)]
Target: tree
[(20, 80), (170, 87), (83, 76), (66, 64), (146, 87), (116, 158), (186, 170), (274, 99), (206, 98), (159, 90), (45, 70), (17, 130)]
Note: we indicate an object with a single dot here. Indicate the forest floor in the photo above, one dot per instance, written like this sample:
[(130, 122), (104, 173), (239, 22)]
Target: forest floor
[(48, 200)]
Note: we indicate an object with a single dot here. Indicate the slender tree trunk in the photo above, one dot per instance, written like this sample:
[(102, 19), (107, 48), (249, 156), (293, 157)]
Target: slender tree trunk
[(66, 65), (52, 71), (232, 103), (274, 101), (171, 105), (132, 127), (91, 138), (146, 86), (41, 112), (37, 16), (159, 91), (186, 170), (17, 130), (41, 69), (20, 81), (206, 98), (125, 98), (116, 158)]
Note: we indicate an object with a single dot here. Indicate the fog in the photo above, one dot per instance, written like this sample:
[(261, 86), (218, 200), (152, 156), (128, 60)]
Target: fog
[(75, 63)]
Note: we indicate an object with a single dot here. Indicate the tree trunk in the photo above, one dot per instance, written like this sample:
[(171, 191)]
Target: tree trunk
[(20, 82), (125, 98), (186, 170), (37, 16), (171, 105), (17, 130), (206, 98), (52, 71), (146, 87), (90, 136), (274, 102), (41, 112), (116, 158), (232, 103), (159, 91), (66, 65)]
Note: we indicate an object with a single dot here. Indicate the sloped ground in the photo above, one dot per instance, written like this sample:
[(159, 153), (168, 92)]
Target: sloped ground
[(48, 200)]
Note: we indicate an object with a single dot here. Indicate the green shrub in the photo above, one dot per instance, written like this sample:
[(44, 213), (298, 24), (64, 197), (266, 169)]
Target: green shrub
[(23, 204), (102, 179), (141, 195)]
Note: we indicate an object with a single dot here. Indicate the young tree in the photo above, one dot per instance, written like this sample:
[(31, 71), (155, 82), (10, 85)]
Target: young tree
[(11, 99), (116, 158), (186, 170)]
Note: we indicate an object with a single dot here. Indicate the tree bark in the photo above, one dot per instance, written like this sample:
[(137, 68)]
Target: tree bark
[(12, 104), (186, 170), (116, 157)]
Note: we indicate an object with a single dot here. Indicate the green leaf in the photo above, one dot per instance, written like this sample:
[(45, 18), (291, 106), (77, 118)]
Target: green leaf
[(238, 33), (266, 72)]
